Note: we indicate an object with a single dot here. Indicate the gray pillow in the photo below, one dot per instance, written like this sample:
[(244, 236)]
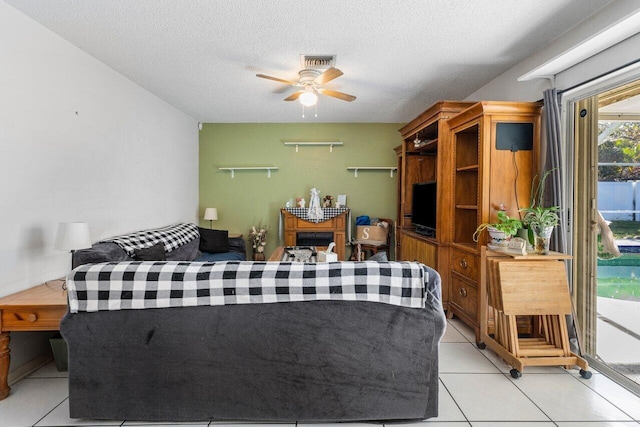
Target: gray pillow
[(154, 253), (100, 252), (379, 257)]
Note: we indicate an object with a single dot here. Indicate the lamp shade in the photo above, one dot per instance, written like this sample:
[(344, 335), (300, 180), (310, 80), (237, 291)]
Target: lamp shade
[(72, 235), (308, 98), (211, 214)]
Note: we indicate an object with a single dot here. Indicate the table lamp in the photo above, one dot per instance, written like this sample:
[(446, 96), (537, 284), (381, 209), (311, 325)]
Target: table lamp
[(72, 236), (211, 214)]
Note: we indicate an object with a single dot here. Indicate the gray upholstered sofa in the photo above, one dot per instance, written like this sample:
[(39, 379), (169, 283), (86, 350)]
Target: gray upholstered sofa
[(240, 340)]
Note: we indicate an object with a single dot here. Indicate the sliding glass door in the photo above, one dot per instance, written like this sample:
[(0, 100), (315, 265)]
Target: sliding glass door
[(606, 229)]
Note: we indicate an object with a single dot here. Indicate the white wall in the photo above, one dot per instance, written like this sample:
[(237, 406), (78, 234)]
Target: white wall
[(506, 87), (80, 142)]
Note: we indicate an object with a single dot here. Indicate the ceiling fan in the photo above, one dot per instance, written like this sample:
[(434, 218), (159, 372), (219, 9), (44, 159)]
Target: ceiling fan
[(311, 82)]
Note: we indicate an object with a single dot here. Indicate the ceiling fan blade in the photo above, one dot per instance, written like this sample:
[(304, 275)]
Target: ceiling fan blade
[(328, 75), (294, 96), (289, 82), (338, 95)]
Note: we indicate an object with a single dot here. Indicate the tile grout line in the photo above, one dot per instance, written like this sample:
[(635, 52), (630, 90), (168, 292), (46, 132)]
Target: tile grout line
[(475, 346), (549, 419), (528, 397), (565, 371), (584, 383), (50, 411), (454, 400), (457, 330)]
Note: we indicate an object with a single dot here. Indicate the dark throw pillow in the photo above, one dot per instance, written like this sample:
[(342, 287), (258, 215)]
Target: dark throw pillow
[(214, 241), (154, 253)]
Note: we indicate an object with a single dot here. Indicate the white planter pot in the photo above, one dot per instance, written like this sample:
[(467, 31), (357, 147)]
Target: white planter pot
[(498, 238)]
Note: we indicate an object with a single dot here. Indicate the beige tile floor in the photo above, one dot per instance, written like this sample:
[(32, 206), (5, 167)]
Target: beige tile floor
[(475, 390)]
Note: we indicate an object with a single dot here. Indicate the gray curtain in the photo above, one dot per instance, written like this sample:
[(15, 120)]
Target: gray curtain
[(552, 148), (552, 140)]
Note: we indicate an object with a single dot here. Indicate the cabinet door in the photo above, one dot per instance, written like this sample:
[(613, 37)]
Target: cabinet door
[(418, 250), (408, 249)]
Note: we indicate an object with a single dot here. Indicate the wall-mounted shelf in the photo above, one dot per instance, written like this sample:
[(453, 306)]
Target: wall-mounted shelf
[(330, 144), (355, 169), (264, 168)]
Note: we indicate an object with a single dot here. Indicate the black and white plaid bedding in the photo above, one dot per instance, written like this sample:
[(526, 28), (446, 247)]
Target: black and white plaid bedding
[(140, 285), (171, 236)]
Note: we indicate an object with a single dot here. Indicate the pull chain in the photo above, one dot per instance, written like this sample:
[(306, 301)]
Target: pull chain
[(316, 114)]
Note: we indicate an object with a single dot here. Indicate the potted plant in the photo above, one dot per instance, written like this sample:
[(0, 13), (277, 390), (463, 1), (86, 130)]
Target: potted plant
[(541, 220), (501, 231)]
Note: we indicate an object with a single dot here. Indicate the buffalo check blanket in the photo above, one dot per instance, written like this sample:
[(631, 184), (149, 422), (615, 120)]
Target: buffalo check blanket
[(141, 285), (171, 236)]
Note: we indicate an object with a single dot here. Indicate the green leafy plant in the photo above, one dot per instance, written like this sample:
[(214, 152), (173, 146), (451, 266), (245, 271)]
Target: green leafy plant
[(506, 224), (537, 216)]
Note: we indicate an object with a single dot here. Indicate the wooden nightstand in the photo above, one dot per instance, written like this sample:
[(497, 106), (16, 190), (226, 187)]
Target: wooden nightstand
[(35, 309)]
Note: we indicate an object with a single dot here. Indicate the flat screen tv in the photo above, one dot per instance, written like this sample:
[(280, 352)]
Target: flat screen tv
[(423, 212)]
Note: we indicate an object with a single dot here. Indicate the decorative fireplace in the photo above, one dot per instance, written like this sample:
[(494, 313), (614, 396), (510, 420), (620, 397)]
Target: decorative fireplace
[(319, 238), (299, 231)]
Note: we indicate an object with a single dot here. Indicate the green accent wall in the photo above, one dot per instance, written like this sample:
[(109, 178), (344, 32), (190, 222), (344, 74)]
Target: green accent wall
[(251, 198)]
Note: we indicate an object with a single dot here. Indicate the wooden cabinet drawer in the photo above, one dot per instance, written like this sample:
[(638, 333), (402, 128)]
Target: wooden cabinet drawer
[(465, 264), (26, 319), (464, 295)]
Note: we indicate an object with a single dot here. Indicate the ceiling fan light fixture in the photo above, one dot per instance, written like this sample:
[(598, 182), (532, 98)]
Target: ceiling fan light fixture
[(308, 98)]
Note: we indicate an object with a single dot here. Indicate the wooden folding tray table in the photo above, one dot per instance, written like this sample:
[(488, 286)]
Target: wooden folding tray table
[(536, 286)]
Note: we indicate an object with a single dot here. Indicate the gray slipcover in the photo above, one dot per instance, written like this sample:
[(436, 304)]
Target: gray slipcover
[(296, 361)]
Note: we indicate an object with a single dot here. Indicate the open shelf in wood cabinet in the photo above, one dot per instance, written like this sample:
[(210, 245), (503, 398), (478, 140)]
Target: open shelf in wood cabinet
[(470, 168), (430, 145)]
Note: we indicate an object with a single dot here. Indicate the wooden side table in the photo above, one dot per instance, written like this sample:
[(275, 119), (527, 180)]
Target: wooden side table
[(279, 252), (35, 309)]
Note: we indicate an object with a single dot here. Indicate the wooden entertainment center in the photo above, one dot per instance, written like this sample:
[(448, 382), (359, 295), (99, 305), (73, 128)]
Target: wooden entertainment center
[(483, 157)]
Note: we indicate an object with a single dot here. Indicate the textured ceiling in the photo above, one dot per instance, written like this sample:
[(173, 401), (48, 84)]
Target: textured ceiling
[(398, 57)]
